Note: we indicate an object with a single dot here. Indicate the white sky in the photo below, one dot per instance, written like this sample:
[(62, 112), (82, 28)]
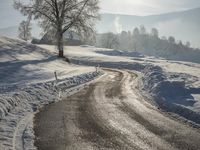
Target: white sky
[(146, 7), (10, 17)]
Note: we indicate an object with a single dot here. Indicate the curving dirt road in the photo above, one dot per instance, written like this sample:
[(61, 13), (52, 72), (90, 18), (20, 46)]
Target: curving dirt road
[(111, 114)]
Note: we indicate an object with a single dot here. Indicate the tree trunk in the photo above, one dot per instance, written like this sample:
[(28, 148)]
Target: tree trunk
[(60, 44), (61, 54)]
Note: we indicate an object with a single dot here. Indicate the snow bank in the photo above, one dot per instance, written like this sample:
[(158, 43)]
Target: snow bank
[(17, 108), (156, 81), (169, 91)]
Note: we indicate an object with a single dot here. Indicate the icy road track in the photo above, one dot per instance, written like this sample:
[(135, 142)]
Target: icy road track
[(110, 114)]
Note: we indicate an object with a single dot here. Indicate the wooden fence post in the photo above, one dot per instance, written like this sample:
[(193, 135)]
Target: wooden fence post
[(56, 77)]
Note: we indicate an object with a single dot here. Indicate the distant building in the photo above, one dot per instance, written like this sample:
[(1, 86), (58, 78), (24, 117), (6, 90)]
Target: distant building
[(69, 38)]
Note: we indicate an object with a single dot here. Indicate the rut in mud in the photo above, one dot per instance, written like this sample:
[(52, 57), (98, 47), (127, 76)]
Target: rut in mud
[(109, 114)]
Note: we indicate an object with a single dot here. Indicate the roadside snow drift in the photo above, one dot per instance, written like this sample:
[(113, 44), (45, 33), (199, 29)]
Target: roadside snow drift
[(170, 91), (17, 108)]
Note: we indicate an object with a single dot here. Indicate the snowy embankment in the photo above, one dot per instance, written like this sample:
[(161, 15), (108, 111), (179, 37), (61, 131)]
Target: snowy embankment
[(171, 92), (17, 108)]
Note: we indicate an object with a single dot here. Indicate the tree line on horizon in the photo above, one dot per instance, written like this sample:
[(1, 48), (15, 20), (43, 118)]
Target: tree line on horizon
[(148, 43)]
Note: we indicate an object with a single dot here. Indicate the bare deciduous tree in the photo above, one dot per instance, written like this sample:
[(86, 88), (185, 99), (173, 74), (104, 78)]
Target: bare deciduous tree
[(142, 30), (109, 40), (25, 30), (136, 32), (59, 16), (188, 44), (171, 40), (154, 32)]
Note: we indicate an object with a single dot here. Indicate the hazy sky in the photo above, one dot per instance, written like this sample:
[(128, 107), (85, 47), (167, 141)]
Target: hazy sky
[(132, 7), (10, 17), (146, 7)]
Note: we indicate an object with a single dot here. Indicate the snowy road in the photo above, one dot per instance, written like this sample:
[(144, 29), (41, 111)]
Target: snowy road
[(111, 114)]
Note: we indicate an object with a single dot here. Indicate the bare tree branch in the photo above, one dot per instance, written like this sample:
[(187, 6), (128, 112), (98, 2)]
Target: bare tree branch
[(58, 16)]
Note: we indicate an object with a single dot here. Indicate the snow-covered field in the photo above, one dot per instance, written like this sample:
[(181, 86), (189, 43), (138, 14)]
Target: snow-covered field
[(27, 83)]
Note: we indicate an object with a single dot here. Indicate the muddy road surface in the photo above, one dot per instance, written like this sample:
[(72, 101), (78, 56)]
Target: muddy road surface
[(111, 114)]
